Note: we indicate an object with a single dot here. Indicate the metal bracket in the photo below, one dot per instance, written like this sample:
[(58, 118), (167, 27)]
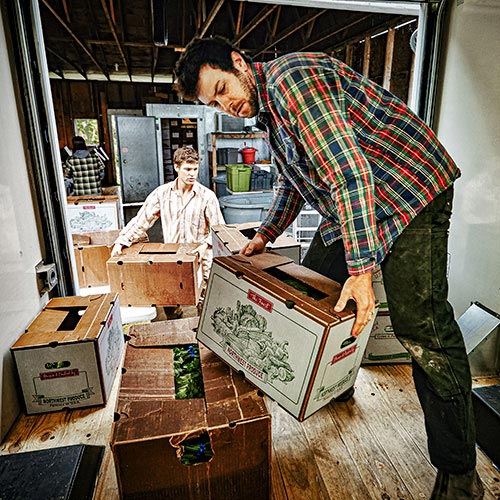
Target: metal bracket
[(47, 274)]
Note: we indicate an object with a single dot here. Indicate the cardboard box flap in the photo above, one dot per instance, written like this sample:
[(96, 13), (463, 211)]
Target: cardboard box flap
[(164, 333), (147, 373), (68, 319), (156, 418), (260, 261), (106, 238), (229, 397), (79, 200), (157, 252)]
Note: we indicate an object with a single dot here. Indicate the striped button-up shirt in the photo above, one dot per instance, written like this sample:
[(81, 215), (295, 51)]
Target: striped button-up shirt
[(183, 220), (351, 149)]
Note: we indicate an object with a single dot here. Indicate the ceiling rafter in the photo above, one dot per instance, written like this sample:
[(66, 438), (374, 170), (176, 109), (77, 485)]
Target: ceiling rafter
[(154, 62), (276, 21), (77, 40), (333, 33), (239, 22), (266, 11), (115, 36), (368, 32), (67, 61), (292, 29), (66, 11), (211, 16)]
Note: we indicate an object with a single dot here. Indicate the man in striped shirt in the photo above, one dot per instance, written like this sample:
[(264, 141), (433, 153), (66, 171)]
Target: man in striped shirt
[(384, 186), (186, 208)]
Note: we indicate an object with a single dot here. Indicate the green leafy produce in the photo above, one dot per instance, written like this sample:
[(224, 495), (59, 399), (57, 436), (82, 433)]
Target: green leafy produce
[(304, 288), (187, 373), (196, 450)]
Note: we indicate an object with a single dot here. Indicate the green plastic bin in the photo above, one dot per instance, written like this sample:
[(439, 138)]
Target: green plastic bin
[(238, 177)]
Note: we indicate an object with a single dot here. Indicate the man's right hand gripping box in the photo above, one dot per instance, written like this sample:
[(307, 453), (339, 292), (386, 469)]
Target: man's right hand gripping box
[(274, 321)]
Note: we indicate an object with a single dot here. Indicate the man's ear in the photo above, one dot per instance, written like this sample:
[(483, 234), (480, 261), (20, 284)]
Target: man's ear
[(238, 62)]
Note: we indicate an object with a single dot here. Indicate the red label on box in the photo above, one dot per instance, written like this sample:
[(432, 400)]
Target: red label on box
[(88, 207), (260, 301), (344, 354), (60, 374), (110, 320)]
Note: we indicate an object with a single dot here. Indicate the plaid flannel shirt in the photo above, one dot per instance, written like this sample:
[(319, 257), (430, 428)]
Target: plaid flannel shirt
[(350, 149), (86, 174)]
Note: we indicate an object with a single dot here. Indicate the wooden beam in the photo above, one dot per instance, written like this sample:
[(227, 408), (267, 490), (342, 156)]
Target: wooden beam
[(68, 62), (371, 32), (239, 21), (349, 52), (276, 21), (77, 40), (333, 33), (292, 29), (310, 29), (211, 16), (115, 36), (366, 56), (66, 10), (266, 11), (389, 55)]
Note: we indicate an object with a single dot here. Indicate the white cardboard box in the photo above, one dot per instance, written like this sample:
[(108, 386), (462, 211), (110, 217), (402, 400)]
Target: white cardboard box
[(383, 346), (295, 348), (69, 355), (229, 239), (93, 213)]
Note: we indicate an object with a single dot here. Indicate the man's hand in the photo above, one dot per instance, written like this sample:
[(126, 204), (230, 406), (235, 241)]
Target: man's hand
[(255, 245), (117, 250), (358, 288)]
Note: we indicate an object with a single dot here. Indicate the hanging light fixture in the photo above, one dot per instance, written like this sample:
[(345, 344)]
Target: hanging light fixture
[(159, 22)]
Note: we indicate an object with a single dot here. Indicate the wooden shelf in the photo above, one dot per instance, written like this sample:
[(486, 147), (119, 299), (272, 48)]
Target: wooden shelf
[(229, 135)]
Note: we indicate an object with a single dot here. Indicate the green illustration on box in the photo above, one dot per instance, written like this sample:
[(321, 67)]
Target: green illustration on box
[(246, 339), (87, 221)]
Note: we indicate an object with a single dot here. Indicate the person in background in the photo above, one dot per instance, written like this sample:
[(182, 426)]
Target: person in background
[(186, 208), (384, 185), (85, 168)]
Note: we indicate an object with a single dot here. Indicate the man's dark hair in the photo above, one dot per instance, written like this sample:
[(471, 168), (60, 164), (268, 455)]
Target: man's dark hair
[(79, 143), (216, 52)]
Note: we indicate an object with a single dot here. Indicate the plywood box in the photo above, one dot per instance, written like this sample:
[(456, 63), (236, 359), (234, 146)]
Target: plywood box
[(153, 429), (93, 213), (383, 346), (229, 239), (69, 355), (292, 346), (92, 251), (156, 274)]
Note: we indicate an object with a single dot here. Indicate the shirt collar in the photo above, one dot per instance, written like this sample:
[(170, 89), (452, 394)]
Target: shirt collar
[(262, 95), (195, 189)]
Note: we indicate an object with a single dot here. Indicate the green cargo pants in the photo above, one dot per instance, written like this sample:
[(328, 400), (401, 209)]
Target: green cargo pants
[(416, 285)]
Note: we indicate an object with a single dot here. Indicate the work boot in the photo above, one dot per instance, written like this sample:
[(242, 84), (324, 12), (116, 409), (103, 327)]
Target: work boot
[(458, 486)]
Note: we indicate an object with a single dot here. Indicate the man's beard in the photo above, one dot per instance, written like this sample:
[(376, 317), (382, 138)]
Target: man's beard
[(250, 90)]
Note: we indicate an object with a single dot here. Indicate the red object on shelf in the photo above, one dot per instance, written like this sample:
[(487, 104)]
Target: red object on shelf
[(248, 155)]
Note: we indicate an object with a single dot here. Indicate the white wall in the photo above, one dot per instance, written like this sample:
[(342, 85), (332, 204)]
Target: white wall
[(469, 126), (20, 250)]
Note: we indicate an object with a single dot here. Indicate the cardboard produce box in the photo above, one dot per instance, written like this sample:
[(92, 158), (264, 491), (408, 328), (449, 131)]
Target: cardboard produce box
[(213, 447), (292, 346), (69, 355), (229, 239), (93, 213), (383, 346), (92, 251), (156, 274)]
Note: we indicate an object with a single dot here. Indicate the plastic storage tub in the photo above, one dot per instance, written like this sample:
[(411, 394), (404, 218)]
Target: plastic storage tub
[(227, 155), (220, 185), (248, 207), (238, 177), (261, 180)]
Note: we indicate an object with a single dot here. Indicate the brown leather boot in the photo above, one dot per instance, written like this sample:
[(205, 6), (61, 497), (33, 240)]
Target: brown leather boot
[(458, 486)]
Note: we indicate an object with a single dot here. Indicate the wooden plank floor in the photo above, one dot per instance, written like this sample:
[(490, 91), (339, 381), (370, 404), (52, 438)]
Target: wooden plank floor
[(372, 447)]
